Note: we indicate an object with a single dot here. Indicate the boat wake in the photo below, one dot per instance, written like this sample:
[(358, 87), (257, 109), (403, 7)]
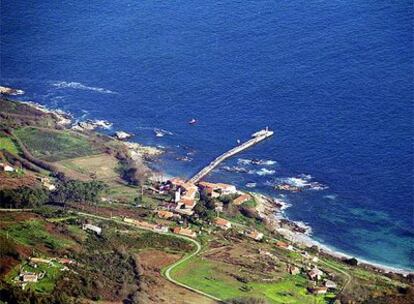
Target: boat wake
[(80, 86), (162, 132)]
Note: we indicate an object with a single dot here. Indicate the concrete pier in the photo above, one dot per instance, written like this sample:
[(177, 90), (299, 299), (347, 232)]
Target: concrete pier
[(256, 138)]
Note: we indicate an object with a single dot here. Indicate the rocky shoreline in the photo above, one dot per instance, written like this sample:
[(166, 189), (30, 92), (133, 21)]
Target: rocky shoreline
[(66, 120), (268, 208)]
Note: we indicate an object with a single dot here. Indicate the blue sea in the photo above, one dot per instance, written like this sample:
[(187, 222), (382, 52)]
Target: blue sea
[(333, 79)]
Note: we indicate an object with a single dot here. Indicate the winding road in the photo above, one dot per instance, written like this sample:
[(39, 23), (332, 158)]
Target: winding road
[(171, 267), (167, 272)]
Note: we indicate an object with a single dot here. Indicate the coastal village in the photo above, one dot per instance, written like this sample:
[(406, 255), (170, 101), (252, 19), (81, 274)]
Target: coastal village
[(100, 215)]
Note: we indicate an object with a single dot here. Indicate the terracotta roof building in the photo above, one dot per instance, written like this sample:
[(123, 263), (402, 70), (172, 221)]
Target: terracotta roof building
[(184, 231), (255, 235), (241, 199), (220, 187), (222, 223), (165, 214)]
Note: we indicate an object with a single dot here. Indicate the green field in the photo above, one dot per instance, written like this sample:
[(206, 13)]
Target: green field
[(53, 145), (250, 204), (212, 278), (32, 233), (7, 144)]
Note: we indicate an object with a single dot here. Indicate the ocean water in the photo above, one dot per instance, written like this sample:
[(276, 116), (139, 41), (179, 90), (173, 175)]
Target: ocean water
[(333, 79)]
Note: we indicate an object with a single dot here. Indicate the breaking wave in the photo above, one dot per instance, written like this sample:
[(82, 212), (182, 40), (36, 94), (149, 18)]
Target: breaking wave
[(305, 226), (236, 169), (259, 162), (303, 181), (282, 202), (80, 86)]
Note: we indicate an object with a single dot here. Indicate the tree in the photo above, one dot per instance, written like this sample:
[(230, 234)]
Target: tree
[(23, 197), (134, 172), (226, 199), (78, 191), (351, 261)]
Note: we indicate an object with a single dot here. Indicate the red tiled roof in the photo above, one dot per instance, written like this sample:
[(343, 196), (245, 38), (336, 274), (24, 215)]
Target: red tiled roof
[(221, 222), (241, 199)]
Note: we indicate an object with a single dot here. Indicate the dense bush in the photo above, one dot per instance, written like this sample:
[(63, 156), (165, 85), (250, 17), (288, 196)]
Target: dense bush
[(8, 248), (135, 173), (71, 191), (15, 294), (23, 197), (351, 261), (77, 191), (207, 200)]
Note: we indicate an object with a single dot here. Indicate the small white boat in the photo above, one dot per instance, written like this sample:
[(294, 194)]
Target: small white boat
[(192, 121)]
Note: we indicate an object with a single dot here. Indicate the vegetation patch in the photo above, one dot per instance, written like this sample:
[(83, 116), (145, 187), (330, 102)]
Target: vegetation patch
[(250, 204), (33, 232), (292, 289), (48, 275), (146, 239), (101, 167), (218, 279), (7, 144), (54, 145)]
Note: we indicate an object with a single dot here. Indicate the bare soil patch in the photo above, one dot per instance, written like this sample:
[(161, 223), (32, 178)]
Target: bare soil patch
[(13, 181)]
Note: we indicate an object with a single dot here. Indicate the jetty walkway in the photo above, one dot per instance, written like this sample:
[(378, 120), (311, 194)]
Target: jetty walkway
[(256, 138)]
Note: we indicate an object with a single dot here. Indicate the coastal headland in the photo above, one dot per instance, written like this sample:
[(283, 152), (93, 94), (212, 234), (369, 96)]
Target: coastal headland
[(93, 220)]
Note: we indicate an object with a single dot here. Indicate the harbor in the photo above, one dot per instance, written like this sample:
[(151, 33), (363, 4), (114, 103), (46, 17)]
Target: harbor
[(256, 138)]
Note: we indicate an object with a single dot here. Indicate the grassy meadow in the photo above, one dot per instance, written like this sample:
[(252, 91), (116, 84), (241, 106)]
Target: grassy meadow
[(53, 145), (215, 278)]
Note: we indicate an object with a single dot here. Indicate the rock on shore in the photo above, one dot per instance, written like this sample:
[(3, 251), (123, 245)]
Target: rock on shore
[(10, 91)]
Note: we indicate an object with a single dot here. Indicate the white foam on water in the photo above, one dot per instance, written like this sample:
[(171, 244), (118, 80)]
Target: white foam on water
[(243, 161), (283, 203), (80, 86), (262, 172), (303, 181), (259, 162), (268, 162)]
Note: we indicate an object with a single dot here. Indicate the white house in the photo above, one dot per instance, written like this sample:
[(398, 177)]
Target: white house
[(6, 168), (96, 229), (315, 274), (330, 284), (177, 197), (161, 229)]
